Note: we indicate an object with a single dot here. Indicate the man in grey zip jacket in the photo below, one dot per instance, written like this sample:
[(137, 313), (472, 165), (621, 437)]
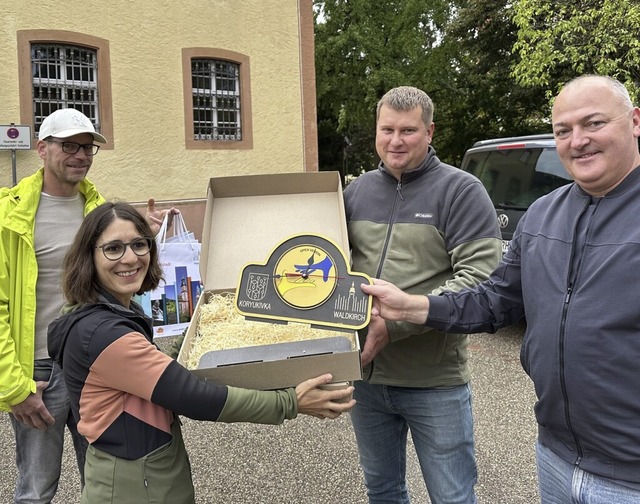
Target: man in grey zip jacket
[(574, 269), (429, 227)]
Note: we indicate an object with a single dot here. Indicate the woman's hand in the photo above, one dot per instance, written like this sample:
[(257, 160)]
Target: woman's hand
[(314, 401)]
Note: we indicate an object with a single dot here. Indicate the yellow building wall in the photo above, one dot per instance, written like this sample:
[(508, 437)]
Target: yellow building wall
[(146, 38)]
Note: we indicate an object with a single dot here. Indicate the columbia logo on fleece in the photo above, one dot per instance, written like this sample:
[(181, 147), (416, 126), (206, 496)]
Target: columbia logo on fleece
[(423, 216)]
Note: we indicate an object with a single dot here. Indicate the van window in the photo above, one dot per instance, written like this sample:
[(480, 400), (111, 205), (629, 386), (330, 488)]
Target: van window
[(515, 178)]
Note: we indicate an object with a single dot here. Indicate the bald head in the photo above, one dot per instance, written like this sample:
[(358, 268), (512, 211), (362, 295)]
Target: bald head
[(596, 129), (585, 82)]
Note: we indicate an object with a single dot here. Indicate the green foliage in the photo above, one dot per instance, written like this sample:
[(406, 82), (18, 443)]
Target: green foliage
[(561, 40), (364, 48), (481, 99), (171, 311), (459, 52)]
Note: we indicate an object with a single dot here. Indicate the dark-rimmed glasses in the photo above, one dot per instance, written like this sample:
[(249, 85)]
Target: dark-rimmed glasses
[(73, 147), (114, 250)]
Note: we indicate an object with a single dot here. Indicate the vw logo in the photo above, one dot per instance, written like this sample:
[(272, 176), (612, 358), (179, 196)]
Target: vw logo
[(503, 221)]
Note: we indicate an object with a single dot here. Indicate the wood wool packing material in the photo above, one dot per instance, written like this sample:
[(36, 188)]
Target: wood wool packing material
[(221, 327)]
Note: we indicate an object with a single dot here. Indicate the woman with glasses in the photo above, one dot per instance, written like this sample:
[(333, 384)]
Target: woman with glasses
[(125, 393)]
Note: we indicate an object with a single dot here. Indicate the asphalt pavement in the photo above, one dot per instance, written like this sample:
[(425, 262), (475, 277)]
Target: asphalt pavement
[(311, 461)]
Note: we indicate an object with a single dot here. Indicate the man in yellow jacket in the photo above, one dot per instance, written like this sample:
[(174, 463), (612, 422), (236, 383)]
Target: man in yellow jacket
[(38, 219)]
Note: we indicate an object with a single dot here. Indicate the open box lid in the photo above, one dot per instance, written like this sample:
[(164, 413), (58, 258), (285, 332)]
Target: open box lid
[(247, 216), (248, 219)]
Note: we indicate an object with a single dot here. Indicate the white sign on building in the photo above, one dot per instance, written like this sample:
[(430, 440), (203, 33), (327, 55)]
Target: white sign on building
[(15, 137)]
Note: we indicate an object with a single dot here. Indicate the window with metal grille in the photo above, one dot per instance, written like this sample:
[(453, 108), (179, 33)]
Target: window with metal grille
[(64, 76), (216, 100)]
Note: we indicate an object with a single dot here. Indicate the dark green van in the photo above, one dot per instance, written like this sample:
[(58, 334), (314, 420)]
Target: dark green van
[(515, 171)]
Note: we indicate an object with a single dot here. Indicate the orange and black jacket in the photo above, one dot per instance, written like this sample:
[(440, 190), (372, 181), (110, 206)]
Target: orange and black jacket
[(124, 391)]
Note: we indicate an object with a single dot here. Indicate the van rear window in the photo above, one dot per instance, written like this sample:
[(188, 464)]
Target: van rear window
[(516, 177)]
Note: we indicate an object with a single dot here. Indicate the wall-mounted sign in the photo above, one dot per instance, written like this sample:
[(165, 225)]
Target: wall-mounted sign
[(15, 137)]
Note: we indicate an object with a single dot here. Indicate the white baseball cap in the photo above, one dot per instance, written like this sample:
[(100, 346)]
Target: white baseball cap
[(67, 122)]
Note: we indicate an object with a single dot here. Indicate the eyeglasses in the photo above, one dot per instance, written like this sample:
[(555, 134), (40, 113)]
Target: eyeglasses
[(73, 148), (114, 250)]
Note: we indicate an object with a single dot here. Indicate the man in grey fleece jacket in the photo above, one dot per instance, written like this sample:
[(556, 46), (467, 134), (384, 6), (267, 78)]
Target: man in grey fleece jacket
[(429, 228)]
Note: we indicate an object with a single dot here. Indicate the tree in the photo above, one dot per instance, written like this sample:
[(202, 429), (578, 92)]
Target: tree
[(561, 40), (459, 52), (480, 98), (364, 48)]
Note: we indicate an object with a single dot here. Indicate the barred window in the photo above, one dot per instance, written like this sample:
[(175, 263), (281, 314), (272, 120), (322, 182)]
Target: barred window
[(216, 100), (60, 68), (64, 76)]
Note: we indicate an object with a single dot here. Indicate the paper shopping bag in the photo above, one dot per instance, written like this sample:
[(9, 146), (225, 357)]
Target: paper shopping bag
[(171, 305)]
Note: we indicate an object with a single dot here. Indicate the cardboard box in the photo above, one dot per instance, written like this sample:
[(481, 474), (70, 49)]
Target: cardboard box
[(245, 218)]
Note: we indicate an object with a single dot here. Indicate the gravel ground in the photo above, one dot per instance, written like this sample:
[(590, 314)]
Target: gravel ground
[(310, 461)]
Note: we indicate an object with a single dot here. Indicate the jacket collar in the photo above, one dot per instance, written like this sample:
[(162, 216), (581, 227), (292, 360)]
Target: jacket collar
[(60, 328), (629, 182), (134, 309), (427, 164), (24, 198)]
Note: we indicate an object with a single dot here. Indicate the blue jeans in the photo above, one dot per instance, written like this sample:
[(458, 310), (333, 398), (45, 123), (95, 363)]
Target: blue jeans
[(39, 453), (441, 425), (563, 483)]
